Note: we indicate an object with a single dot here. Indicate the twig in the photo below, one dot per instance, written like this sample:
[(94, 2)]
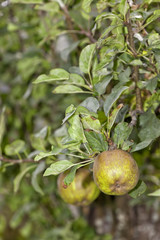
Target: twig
[(134, 115), (135, 68), (15, 161), (70, 25)]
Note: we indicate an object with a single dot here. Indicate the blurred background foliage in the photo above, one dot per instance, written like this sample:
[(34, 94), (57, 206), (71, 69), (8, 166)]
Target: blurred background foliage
[(35, 38), (31, 43)]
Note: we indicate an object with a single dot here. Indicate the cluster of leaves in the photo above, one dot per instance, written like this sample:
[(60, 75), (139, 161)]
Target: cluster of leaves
[(90, 42), (104, 64)]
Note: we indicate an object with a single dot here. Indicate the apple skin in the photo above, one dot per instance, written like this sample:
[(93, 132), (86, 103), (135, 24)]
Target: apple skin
[(82, 191), (115, 172)]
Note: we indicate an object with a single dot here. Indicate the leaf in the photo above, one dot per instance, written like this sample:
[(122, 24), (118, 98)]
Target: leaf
[(70, 176), (138, 190), (86, 5), (58, 167), (84, 111), (15, 147), (34, 180), (125, 75), (97, 141), (113, 116), (19, 177), (152, 18), (123, 7), (57, 74), (27, 1), (141, 145), (85, 60), (108, 30), (121, 133), (48, 7), (106, 15), (72, 145), (76, 130), (112, 97), (70, 109), (154, 40), (2, 126), (68, 89), (76, 79), (42, 155), (136, 62), (91, 104), (152, 84), (150, 126), (42, 133), (100, 87), (155, 193), (126, 145), (69, 112), (92, 123)]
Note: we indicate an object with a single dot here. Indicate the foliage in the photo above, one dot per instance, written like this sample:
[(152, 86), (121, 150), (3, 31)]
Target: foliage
[(78, 78)]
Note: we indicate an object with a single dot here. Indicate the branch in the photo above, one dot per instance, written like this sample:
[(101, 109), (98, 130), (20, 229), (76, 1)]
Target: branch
[(15, 161), (70, 25), (134, 115), (135, 68)]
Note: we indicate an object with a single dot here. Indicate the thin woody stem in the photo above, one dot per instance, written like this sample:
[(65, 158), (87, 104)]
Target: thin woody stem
[(135, 75), (71, 27), (15, 161)]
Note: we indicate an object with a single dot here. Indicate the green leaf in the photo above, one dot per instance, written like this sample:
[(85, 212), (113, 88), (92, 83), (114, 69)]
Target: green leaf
[(91, 104), (57, 74), (100, 87), (106, 15), (84, 111), (92, 123), (19, 177), (121, 133), (70, 176), (136, 62), (141, 145), (76, 130), (152, 18), (42, 155), (68, 89), (68, 116), (48, 7), (112, 97), (69, 112), (150, 126), (71, 145), (154, 40), (97, 141), (108, 30), (15, 147), (42, 133), (76, 79), (155, 193), (85, 60), (113, 116), (86, 5), (123, 7), (125, 75), (34, 181), (58, 167), (152, 84), (138, 190), (126, 145), (27, 1)]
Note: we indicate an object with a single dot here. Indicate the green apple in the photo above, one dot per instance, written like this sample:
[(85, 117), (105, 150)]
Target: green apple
[(115, 172), (82, 191)]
